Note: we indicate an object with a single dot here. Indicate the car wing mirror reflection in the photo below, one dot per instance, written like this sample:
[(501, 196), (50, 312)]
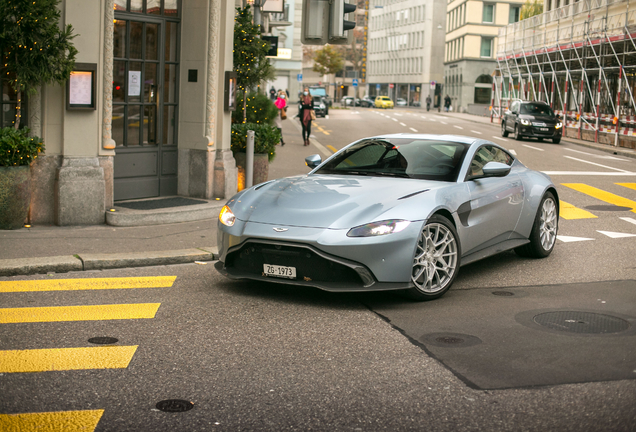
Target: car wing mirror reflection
[(496, 169), (313, 161)]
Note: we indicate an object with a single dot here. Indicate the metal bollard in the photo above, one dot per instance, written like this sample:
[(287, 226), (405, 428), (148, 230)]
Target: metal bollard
[(249, 159)]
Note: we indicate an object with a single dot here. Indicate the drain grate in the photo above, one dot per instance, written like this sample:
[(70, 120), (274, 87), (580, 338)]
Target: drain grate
[(581, 322), (174, 405), (608, 208), (103, 340), (503, 293)]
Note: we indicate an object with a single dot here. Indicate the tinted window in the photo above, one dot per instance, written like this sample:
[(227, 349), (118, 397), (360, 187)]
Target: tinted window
[(487, 154), (400, 157), (536, 109)]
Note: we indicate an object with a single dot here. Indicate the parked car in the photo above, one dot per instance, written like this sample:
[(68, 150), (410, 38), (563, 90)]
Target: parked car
[(383, 102), (320, 106), (431, 204), (347, 101), (367, 102), (532, 119), (322, 92), (416, 103), (400, 102)]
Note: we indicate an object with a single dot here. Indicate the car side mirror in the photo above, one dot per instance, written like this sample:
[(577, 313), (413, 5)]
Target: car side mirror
[(496, 169), (313, 161)]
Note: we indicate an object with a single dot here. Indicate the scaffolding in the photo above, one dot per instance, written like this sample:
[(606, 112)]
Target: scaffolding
[(580, 59)]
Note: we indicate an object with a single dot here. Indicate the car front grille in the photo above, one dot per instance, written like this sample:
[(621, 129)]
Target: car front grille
[(310, 266)]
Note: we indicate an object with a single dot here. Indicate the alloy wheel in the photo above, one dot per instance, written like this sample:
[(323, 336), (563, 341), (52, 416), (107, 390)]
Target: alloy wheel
[(548, 224), (435, 260)]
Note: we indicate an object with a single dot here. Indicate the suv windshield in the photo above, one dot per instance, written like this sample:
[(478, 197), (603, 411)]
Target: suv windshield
[(536, 109), (400, 157), (317, 91)]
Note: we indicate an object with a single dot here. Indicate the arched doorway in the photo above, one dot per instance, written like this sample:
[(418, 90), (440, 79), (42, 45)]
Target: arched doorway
[(483, 89)]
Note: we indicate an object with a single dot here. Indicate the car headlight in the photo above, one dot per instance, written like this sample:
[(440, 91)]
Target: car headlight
[(525, 122), (322, 106), (226, 216), (378, 228), (559, 125)]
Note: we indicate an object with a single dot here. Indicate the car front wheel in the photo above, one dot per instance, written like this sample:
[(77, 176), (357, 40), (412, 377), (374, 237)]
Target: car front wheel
[(544, 230), (436, 260), (517, 134)]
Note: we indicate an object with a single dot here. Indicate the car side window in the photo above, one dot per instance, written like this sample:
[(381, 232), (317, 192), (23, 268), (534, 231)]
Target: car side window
[(515, 107), (487, 154)]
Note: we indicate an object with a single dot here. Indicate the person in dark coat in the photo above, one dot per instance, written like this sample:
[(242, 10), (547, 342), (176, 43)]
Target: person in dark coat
[(272, 93), (428, 103), (447, 103), (306, 108)]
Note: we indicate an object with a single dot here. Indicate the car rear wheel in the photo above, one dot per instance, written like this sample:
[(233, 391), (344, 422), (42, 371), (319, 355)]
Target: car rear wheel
[(556, 140), (517, 134), (436, 260), (544, 230), (504, 132)]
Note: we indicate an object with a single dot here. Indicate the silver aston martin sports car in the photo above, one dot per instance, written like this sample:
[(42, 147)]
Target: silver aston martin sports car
[(392, 212)]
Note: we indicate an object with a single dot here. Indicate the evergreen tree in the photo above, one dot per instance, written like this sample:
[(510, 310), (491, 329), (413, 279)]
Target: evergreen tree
[(33, 47), (250, 53)]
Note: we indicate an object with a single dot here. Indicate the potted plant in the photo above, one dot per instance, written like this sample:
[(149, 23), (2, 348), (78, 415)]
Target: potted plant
[(17, 151), (265, 139)]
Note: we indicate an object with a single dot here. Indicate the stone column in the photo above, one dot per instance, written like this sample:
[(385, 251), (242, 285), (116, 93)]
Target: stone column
[(107, 71), (79, 192)]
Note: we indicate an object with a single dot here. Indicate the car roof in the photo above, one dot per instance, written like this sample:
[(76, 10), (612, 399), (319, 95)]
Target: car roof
[(453, 138)]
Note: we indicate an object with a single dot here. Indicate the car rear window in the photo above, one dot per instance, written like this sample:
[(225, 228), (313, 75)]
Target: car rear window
[(400, 157)]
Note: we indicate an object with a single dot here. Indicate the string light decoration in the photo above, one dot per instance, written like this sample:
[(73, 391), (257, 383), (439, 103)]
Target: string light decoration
[(34, 24)]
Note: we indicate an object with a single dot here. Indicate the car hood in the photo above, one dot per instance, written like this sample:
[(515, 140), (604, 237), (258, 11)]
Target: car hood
[(330, 201), (541, 118)]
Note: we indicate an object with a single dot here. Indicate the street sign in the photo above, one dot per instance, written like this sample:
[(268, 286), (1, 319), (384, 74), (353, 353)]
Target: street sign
[(377, 87), (355, 82), (432, 85), (391, 85), (299, 77)]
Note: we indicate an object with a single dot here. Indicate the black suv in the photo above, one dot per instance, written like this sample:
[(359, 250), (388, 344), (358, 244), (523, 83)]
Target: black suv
[(532, 119)]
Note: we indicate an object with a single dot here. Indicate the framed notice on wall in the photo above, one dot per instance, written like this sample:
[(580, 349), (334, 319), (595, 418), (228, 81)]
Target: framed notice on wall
[(230, 91), (81, 87)]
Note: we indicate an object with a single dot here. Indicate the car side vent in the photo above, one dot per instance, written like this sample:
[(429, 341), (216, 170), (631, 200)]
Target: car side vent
[(413, 194)]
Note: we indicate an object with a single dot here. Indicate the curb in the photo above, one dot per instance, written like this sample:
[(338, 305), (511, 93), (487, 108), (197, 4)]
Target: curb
[(82, 262)]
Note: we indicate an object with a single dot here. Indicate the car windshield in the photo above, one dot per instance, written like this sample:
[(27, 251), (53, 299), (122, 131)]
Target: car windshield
[(400, 157), (317, 92), (536, 109)]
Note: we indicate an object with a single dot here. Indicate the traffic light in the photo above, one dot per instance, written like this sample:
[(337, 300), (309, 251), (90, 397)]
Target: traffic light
[(324, 22)]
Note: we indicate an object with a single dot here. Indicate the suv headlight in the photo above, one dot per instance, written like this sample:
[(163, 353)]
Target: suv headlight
[(525, 122), (559, 125), (226, 216), (378, 228)]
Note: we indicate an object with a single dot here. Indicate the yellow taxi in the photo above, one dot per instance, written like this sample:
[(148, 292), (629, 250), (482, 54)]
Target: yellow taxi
[(383, 102)]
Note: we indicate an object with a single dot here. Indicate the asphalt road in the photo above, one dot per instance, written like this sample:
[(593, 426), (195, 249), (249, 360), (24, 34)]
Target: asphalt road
[(516, 344)]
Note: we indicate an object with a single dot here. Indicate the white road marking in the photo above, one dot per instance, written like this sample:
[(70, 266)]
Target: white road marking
[(589, 173), (442, 122), (327, 117), (615, 234), (396, 114), (595, 155), (423, 117), (415, 130), (402, 124), (355, 112), (476, 132), (594, 163), (500, 138), (442, 117), (569, 239), (394, 119), (630, 220), (533, 148), (512, 152), (458, 127)]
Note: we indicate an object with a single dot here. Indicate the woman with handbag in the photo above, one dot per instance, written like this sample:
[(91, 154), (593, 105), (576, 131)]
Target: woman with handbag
[(281, 104), (306, 114)]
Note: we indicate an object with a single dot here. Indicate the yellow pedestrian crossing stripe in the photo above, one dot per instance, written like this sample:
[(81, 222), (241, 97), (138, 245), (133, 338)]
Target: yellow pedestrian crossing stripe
[(51, 421), (58, 359), (78, 313), (568, 211), (332, 148), (602, 195), (628, 185), (87, 284)]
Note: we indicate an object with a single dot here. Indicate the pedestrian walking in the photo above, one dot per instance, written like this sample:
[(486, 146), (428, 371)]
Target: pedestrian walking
[(306, 114), (428, 102), (281, 104), (272, 93), (447, 103)]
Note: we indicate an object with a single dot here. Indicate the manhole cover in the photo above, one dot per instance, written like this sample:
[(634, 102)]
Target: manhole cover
[(174, 405), (581, 322), (503, 293), (608, 208), (103, 340)]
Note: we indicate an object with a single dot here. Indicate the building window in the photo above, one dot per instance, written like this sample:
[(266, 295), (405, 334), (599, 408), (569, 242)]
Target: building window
[(513, 16), (483, 89), (9, 102), (486, 47), (488, 13)]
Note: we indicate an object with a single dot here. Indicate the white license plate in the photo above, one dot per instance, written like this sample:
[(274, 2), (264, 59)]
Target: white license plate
[(544, 129), (279, 271)]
